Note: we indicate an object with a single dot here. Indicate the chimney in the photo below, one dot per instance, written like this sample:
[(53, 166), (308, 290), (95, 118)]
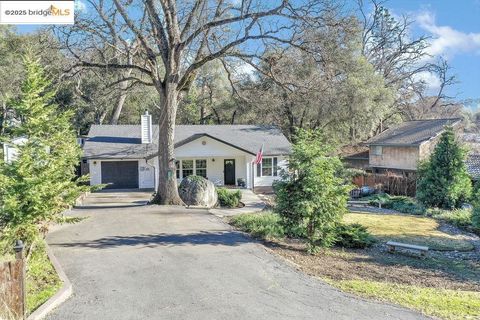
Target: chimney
[(147, 130)]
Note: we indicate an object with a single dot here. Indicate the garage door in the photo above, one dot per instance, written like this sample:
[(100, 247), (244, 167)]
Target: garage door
[(120, 174)]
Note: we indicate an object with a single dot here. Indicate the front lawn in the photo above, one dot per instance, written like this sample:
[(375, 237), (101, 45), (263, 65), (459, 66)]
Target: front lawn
[(409, 229), (438, 285)]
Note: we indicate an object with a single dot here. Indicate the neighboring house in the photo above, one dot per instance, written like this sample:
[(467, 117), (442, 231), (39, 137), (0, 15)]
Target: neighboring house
[(221, 153), (399, 149)]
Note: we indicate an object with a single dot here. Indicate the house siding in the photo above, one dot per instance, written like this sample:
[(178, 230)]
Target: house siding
[(215, 152), (405, 158), (146, 172)]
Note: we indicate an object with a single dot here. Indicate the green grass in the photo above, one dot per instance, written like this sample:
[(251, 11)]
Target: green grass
[(264, 225), (461, 218), (409, 229), (447, 304), (42, 280)]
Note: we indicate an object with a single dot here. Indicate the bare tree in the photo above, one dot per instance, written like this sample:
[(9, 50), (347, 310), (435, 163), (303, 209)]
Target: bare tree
[(402, 59), (175, 39)]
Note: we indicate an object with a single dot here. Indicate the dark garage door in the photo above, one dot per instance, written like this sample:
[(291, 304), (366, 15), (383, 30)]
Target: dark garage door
[(120, 174)]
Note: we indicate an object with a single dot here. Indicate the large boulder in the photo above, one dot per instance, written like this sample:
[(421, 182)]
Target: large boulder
[(198, 191)]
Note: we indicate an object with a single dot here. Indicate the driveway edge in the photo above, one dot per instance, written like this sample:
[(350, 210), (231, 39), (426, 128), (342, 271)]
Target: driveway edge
[(60, 296)]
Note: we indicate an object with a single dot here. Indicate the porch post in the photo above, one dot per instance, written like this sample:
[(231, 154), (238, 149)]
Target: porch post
[(253, 177)]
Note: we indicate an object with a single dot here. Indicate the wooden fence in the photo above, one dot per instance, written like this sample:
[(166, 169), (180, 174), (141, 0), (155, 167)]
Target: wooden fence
[(393, 184), (12, 287)]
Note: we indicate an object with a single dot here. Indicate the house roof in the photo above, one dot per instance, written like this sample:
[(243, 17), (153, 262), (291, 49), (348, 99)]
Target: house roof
[(412, 133), (354, 152), (473, 165), (124, 141)]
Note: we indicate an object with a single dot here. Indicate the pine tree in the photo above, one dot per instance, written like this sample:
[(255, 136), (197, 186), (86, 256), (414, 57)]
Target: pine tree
[(443, 180), (37, 186), (312, 196)]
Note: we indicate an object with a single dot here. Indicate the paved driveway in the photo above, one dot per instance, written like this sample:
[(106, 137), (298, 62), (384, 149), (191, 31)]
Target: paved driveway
[(156, 262)]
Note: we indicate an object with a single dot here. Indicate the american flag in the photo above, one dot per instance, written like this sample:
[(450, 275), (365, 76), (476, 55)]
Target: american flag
[(259, 156)]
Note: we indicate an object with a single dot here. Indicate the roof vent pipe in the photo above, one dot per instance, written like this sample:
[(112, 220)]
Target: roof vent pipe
[(147, 131)]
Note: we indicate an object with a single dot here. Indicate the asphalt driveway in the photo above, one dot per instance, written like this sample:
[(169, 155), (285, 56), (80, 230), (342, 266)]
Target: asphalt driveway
[(156, 262)]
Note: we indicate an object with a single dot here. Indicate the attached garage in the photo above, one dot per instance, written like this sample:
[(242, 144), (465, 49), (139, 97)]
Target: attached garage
[(120, 174)]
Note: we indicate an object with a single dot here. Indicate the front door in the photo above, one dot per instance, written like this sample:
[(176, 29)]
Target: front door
[(229, 171)]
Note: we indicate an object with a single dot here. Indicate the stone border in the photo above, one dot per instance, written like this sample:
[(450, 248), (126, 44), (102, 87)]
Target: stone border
[(60, 296)]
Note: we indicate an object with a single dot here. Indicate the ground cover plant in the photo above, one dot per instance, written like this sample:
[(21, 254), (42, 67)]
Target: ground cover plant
[(229, 198)]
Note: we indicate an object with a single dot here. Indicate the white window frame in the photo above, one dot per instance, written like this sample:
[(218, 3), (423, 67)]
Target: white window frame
[(194, 168), (274, 170)]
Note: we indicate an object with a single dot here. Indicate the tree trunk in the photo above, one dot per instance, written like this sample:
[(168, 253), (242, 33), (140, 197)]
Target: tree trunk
[(121, 98), (167, 192)]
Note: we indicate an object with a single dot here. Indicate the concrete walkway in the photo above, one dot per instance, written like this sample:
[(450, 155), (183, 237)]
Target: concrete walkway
[(154, 262), (252, 204)]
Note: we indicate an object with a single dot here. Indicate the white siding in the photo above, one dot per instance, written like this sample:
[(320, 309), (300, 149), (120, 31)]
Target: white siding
[(213, 151), (146, 172), (211, 148), (268, 180), (215, 172)]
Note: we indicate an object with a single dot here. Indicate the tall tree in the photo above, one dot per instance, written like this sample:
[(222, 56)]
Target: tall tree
[(443, 180), (37, 186), (176, 38)]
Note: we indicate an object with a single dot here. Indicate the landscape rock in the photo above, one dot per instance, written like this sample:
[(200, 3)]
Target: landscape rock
[(198, 191)]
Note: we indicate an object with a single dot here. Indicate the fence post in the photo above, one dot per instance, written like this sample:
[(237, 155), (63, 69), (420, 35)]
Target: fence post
[(19, 255)]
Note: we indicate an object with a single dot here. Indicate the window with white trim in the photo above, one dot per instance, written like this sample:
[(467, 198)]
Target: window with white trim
[(268, 167), (187, 168), (201, 168), (177, 168)]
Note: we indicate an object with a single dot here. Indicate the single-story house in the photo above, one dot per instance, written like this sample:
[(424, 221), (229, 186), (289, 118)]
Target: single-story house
[(400, 148), (116, 156)]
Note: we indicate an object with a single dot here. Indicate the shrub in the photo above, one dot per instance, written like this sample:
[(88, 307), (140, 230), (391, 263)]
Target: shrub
[(312, 195), (462, 218), (264, 225), (227, 198), (353, 236), (443, 181), (400, 203)]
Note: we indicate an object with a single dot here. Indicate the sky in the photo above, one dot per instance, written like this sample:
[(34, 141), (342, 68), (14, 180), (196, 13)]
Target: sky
[(454, 28)]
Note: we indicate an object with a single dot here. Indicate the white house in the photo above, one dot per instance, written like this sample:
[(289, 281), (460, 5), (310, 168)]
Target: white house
[(223, 154)]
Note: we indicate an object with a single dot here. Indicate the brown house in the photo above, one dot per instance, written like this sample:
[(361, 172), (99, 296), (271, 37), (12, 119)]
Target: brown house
[(399, 149)]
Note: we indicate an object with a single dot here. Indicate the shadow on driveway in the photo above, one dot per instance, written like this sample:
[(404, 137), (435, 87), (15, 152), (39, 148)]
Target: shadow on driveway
[(226, 238)]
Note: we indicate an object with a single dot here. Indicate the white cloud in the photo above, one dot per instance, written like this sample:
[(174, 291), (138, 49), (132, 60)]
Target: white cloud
[(447, 41), (431, 80)]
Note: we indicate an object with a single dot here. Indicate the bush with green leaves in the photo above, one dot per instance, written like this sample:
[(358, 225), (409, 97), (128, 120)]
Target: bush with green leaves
[(263, 225), (312, 193), (399, 203), (443, 180), (229, 199), (40, 184), (461, 218), (475, 218), (353, 236)]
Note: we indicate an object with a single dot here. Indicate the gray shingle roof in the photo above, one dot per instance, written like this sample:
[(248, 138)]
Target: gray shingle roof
[(473, 166), (124, 141), (412, 132)]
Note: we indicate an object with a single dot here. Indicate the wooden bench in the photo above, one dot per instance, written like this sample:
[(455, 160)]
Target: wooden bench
[(392, 246)]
